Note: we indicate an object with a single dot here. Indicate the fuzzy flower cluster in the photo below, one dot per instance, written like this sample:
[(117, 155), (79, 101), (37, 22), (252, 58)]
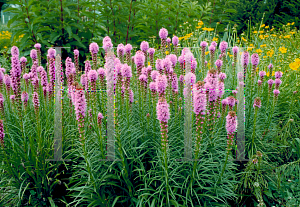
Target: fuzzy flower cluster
[(162, 108)]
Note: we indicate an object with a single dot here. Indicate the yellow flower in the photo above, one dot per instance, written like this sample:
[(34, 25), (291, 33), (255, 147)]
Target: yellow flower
[(297, 60), (249, 48), (208, 29), (167, 52), (251, 45), (293, 23), (294, 66), (266, 27), (244, 39), (261, 32), (206, 53), (270, 53), (274, 35), (282, 49), (198, 27), (262, 25), (5, 47), (271, 29), (258, 51), (268, 73), (261, 37), (230, 55), (288, 24), (266, 35), (264, 57), (215, 39), (208, 64), (149, 63), (200, 23), (287, 36), (292, 33), (255, 32), (238, 41), (263, 45)]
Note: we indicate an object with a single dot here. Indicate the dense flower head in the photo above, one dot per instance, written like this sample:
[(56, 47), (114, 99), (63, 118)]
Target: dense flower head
[(100, 117), (106, 39), (168, 40), (149, 69), (38, 46), (101, 72), (163, 33), (151, 51), (24, 96), (181, 59), (153, 86), (118, 68), (174, 82), (235, 49), (35, 100), (221, 88), (199, 97), (1, 76), (254, 59), (162, 108), (16, 67), (259, 82), (7, 80), (159, 64), (223, 46), (80, 103), (278, 74), (190, 78), (121, 49), (94, 48), (26, 76), (128, 48), (276, 92), (15, 51), (44, 80), (12, 97), (143, 78), (262, 74), (212, 48), (33, 54), (139, 58), (194, 64), (92, 75), (245, 58), (23, 60), (144, 46), (76, 52), (270, 82), (126, 71), (162, 83), (231, 122), (224, 102), (175, 40), (154, 74), (2, 70), (181, 78), (219, 63), (270, 66), (117, 61), (39, 69), (231, 101), (167, 64), (203, 44), (131, 96), (51, 53), (173, 59), (277, 81), (83, 80), (87, 66), (214, 44), (107, 45), (257, 102)]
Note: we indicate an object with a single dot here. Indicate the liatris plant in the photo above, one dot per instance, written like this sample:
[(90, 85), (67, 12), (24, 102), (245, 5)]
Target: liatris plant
[(151, 52), (261, 75), (51, 54), (128, 49), (76, 59), (223, 47), (2, 134), (94, 48), (245, 62), (159, 66), (23, 62), (7, 82), (181, 61), (194, 66), (144, 48), (93, 76), (36, 104), (231, 125), (270, 83), (24, 98), (80, 110), (203, 46), (212, 50), (162, 84), (107, 44), (16, 78), (219, 64), (33, 55), (101, 141), (139, 60), (270, 66), (175, 41), (38, 49), (168, 40), (121, 52), (235, 51), (1, 105), (163, 34)]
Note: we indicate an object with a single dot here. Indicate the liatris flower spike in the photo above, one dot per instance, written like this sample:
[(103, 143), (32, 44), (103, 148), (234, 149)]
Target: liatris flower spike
[(163, 33), (254, 59), (15, 51), (262, 75), (94, 48), (276, 93), (257, 102), (175, 40), (278, 74), (2, 134), (223, 46), (235, 50), (100, 117), (33, 54)]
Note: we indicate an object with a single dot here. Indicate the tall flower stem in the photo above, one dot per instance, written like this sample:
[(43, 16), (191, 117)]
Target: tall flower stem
[(254, 126)]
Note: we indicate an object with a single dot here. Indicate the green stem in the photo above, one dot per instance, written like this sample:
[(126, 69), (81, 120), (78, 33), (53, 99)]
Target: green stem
[(254, 126)]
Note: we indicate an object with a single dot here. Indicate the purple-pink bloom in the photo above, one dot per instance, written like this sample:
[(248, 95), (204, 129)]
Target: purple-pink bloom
[(203, 44), (245, 58), (254, 59), (190, 78), (107, 45), (278, 74), (212, 48), (120, 49), (35, 100), (23, 60), (231, 122), (175, 40), (235, 50), (51, 53), (76, 52), (151, 51), (199, 98), (153, 86), (194, 64), (106, 39), (163, 33), (92, 76), (154, 74), (181, 59), (126, 71), (162, 108), (262, 74), (270, 66), (24, 96), (219, 63), (87, 66), (257, 102), (173, 59), (128, 48), (100, 117), (231, 101), (214, 44), (143, 78), (162, 83), (167, 64), (276, 92), (240, 76), (44, 80), (181, 78), (174, 82), (12, 97), (223, 46), (168, 40), (144, 46), (131, 96), (139, 58), (38, 46), (94, 48), (15, 51), (33, 54), (80, 104)]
